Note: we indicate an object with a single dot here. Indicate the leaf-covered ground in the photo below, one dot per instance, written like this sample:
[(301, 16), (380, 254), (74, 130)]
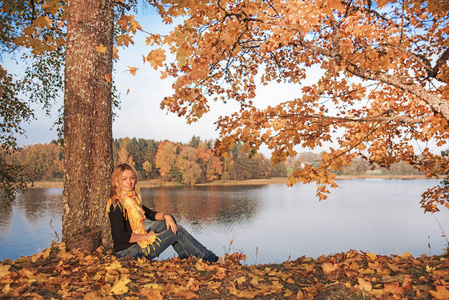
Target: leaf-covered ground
[(60, 274)]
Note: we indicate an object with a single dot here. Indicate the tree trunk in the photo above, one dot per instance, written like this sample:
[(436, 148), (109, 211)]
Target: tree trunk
[(87, 124)]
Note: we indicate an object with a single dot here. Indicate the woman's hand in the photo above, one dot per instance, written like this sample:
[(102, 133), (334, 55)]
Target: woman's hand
[(170, 223)]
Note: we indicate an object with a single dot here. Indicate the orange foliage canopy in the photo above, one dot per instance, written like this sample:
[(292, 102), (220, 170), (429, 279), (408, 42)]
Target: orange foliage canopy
[(379, 73), (379, 92)]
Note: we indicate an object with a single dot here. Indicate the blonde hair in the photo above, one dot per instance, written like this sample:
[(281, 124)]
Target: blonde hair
[(116, 192)]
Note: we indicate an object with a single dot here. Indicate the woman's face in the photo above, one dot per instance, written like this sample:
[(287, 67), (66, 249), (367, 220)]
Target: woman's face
[(127, 181)]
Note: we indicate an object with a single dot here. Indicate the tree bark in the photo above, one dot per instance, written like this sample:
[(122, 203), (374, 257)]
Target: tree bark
[(87, 123)]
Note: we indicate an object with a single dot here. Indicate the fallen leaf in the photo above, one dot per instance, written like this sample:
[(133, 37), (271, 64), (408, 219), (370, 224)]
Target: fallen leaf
[(240, 280), (364, 285), (375, 266), (429, 269), (92, 296), (389, 279), (407, 256), (6, 289), (299, 295), (371, 256), (248, 294), (393, 288), (186, 294), (441, 293), (149, 293), (214, 285), (407, 283), (377, 293), (119, 286), (309, 267), (393, 267), (329, 267), (192, 285), (154, 286), (4, 270)]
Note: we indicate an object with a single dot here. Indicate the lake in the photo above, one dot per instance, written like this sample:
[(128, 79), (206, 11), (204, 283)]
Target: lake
[(269, 223)]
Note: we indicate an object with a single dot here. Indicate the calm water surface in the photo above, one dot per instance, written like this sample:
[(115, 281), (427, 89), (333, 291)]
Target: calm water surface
[(270, 224)]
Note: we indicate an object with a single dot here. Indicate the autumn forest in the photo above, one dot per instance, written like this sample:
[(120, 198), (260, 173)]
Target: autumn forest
[(190, 163)]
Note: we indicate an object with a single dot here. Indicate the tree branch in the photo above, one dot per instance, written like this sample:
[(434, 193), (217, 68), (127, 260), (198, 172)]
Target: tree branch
[(437, 103), (33, 10), (387, 116), (440, 62), (123, 4)]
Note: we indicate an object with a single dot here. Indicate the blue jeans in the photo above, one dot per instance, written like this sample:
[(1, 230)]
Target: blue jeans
[(183, 242)]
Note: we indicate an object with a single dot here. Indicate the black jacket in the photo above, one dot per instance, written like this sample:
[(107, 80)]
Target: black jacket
[(121, 229)]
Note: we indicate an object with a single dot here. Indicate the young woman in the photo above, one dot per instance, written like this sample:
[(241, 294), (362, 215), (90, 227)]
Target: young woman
[(127, 215)]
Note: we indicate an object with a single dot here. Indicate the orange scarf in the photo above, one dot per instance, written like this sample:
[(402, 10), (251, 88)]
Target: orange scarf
[(135, 214)]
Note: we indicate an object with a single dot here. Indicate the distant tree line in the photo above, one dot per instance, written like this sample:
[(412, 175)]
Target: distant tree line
[(190, 163), (193, 162)]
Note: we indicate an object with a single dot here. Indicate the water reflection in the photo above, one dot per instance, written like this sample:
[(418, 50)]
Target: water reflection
[(268, 223), (204, 206), (32, 223)]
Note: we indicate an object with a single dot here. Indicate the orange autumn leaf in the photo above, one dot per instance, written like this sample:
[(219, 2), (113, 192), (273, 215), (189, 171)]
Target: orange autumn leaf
[(100, 48), (108, 77), (329, 268), (149, 293), (393, 288), (115, 53), (407, 282), (124, 40), (120, 287), (51, 7), (156, 58), (192, 285), (393, 267), (186, 294), (43, 22), (132, 70), (364, 284), (4, 269), (214, 285), (371, 256), (93, 295), (248, 294), (441, 293), (407, 256)]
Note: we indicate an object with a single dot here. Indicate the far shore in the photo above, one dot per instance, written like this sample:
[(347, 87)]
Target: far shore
[(274, 180)]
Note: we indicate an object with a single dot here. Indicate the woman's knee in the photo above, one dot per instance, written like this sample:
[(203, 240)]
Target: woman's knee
[(181, 229)]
